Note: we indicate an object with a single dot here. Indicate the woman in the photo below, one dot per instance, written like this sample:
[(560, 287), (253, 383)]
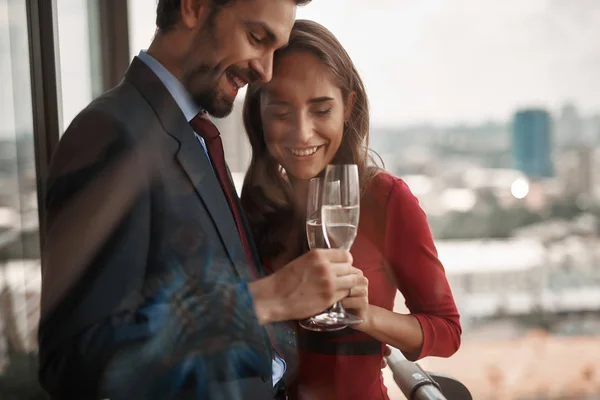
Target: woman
[(314, 112)]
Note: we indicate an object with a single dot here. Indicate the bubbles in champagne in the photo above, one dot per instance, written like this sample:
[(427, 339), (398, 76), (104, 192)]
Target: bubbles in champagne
[(340, 225)]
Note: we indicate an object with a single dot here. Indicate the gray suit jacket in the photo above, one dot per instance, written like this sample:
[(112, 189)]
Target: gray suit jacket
[(143, 268)]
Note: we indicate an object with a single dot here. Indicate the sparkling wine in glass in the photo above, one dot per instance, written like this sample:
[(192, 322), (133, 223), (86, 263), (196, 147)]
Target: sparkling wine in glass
[(314, 229), (340, 225), (316, 240), (340, 211)]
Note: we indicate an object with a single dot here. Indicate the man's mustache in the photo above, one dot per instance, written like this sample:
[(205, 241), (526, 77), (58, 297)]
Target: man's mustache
[(247, 74)]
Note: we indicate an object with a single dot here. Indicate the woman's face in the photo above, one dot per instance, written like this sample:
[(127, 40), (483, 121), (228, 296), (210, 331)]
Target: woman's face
[(303, 115)]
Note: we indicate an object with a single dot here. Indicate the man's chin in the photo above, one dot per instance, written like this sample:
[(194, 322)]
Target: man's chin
[(221, 109)]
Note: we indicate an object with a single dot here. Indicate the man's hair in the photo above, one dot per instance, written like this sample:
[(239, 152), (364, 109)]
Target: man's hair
[(167, 11)]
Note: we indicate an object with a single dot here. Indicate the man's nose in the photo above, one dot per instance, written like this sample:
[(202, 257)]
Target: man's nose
[(263, 67)]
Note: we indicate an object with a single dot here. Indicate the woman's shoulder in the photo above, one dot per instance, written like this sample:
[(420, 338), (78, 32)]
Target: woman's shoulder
[(383, 205), (384, 187)]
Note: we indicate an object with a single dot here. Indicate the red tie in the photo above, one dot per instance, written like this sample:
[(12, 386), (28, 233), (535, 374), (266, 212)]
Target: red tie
[(214, 146)]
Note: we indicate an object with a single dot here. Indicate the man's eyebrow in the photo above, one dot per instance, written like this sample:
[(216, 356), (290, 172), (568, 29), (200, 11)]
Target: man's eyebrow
[(258, 25)]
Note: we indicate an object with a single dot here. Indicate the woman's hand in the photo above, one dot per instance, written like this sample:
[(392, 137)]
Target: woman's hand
[(358, 302)]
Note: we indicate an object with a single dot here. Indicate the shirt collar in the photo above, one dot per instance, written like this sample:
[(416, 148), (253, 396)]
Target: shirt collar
[(181, 96)]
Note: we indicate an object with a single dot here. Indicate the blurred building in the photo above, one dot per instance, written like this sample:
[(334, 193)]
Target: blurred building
[(523, 275), (576, 169), (569, 127), (532, 143)]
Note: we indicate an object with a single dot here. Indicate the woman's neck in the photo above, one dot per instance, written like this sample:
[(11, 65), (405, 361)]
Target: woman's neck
[(300, 191)]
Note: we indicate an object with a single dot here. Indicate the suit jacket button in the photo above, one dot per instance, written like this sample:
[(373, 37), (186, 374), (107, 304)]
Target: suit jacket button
[(265, 378)]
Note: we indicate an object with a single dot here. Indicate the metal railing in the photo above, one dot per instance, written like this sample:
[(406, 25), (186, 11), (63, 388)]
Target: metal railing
[(416, 384)]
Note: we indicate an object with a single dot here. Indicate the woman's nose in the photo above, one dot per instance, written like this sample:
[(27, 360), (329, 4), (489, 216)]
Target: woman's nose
[(304, 129)]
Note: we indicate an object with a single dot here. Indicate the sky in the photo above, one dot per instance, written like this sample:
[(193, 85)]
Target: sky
[(422, 61), (448, 61), (454, 61)]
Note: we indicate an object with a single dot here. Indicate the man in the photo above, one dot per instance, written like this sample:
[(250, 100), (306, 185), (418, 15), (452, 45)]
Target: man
[(151, 285)]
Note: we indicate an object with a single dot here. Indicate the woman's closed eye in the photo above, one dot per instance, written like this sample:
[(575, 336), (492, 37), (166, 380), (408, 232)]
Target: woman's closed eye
[(322, 111)]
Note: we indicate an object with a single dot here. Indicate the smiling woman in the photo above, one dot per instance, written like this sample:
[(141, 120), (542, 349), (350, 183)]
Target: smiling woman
[(314, 112), (303, 114)]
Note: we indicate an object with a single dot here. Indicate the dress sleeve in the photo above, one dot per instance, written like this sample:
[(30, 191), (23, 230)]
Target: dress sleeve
[(419, 274)]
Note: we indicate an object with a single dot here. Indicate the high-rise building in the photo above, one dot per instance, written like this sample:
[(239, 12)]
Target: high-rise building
[(532, 143), (569, 128)]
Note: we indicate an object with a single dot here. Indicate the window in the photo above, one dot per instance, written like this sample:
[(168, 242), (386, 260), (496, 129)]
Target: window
[(19, 237), (445, 82), (142, 17), (78, 41)]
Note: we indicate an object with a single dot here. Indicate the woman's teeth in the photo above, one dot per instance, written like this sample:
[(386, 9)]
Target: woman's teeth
[(305, 152)]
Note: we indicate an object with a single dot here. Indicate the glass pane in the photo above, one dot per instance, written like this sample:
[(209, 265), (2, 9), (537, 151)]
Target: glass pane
[(77, 40), (19, 237)]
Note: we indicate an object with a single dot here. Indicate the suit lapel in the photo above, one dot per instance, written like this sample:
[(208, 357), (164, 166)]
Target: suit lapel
[(255, 254), (192, 160)]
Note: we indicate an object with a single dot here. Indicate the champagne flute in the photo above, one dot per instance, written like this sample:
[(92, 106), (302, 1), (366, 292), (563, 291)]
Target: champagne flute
[(340, 211), (316, 240), (314, 230), (338, 206)]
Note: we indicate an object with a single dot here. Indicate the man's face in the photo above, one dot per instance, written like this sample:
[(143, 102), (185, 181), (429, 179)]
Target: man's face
[(233, 48)]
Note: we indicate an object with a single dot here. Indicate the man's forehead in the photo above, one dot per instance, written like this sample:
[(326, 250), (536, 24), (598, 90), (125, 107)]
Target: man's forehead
[(277, 16)]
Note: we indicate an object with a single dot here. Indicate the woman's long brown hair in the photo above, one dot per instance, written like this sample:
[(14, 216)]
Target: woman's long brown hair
[(267, 195)]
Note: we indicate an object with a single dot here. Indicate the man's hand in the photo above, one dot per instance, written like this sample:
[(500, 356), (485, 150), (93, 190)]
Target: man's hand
[(305, 286)]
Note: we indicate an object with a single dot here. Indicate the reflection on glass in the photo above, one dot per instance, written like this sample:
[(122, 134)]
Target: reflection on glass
[(19, 237)]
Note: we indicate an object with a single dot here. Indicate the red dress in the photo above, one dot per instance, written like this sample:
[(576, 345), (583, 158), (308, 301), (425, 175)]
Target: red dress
[(395, 250)]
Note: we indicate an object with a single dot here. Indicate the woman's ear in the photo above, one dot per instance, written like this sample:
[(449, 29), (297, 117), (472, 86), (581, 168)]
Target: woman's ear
[(349, 106)]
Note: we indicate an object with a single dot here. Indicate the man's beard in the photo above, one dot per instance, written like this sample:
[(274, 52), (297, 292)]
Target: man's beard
[(208, 97), (202, 81)]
